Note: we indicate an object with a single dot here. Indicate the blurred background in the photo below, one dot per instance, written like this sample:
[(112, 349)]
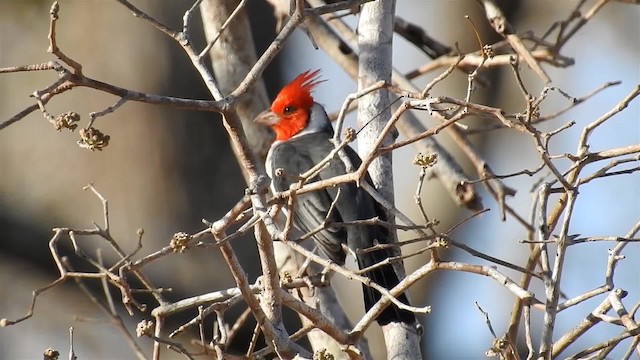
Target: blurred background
[(167, 169)]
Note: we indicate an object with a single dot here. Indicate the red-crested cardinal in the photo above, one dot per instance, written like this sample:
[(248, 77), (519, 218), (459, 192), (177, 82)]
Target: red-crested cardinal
[(303, 139)]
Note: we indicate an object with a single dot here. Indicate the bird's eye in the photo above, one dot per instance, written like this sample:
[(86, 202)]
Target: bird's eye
[(289, 110)]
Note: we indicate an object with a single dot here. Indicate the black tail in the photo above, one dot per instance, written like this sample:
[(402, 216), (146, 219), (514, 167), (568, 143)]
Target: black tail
[(386, 277)]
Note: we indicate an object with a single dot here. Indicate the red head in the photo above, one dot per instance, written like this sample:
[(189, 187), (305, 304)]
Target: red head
[(290, 110)]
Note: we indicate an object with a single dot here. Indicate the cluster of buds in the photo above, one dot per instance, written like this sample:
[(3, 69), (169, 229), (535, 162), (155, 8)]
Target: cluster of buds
[(66, 121), (425, 160), (92, 139), (442, 241), (51, 354), (286, 278), (323, 354), (498, 348), (279, 172), (144, 328), (349, 134), (535, 113), (180, 242), (488, 51)]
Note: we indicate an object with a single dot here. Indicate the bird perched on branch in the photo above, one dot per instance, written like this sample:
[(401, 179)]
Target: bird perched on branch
[(303, 139)]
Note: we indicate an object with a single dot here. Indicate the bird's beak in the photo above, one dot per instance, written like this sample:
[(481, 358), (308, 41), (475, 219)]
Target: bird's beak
[(267, 117)]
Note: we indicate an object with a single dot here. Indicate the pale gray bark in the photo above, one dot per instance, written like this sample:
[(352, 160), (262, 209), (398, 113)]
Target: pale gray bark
[(375, 30), (375, 39)]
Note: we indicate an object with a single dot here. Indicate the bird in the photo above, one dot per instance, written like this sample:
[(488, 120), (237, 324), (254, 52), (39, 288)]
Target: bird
[(303, 138)]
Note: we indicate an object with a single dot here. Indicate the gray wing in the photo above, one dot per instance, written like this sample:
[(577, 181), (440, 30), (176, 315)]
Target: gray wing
[(296, 156)]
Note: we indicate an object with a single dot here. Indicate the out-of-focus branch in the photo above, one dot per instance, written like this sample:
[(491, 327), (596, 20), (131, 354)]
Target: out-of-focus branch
[(418, 37), (232, 56), (503, 27)]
